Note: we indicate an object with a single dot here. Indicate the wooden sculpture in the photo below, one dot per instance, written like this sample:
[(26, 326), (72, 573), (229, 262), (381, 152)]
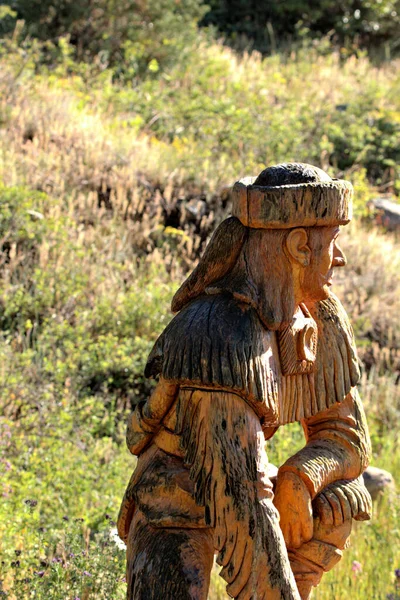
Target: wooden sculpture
[(258, 341)]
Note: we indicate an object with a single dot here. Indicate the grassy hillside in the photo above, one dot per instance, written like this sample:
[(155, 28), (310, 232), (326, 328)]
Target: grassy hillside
[(108, 195)]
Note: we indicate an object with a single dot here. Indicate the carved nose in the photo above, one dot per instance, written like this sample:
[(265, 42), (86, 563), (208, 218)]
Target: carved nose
[(339, 261), (339, 258)]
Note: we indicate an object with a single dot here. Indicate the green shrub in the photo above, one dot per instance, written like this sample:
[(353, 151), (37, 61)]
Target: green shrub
[(236, 115), (54, 547), (22, 223), (265, 25), (137, 38)]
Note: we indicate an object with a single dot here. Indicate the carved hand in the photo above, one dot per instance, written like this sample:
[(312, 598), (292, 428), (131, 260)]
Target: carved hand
[(342, 501), (160, 401), (293, 501)]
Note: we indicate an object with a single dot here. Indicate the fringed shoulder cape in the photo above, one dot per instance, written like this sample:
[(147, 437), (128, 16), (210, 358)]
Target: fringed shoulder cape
[(217, 342)]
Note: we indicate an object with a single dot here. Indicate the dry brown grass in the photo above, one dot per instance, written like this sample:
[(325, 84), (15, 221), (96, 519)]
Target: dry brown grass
[(126, 217), (74, 139)]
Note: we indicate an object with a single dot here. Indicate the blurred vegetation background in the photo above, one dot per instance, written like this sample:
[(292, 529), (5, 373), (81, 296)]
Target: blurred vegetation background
[(122, 127)]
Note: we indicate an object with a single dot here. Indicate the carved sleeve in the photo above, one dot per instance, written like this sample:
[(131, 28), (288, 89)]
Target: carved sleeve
[(223, 446), (145, 421), (338, 445)]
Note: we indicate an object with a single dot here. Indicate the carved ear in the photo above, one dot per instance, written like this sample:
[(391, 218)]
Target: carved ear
[(218, 259), (297, 246)]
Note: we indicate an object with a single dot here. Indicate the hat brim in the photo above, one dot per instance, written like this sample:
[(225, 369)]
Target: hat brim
[(319, 204)]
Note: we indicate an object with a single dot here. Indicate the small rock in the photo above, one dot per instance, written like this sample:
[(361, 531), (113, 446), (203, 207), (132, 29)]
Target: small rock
[(386, 212), (377, 481)]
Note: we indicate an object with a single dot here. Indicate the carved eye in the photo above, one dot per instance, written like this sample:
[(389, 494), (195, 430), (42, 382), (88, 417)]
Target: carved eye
[(307, 343)]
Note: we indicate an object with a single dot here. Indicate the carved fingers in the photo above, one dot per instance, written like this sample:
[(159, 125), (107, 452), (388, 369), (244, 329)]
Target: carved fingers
[(342, 501), (364, 501), (333, 508)]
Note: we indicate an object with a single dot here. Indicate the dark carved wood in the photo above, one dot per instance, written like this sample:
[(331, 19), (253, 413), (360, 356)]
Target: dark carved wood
[(258, 341)]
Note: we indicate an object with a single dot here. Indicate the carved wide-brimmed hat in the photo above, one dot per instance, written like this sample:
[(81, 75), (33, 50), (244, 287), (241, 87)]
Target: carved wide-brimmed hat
[(268, 202)]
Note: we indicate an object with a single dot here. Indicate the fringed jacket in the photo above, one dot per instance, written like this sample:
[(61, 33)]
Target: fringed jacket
[(234, 384)]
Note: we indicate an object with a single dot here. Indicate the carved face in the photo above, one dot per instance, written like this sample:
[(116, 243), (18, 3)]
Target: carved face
[(325, 255)]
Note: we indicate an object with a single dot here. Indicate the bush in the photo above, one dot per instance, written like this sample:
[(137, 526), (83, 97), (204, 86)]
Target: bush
[(22, 223), (55, 546), (267, 24), (136, 38), (244, 113)]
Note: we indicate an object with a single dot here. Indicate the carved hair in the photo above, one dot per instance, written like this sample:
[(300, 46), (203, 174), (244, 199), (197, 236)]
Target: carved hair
[(262, 277), (250, 264), (218, 259)]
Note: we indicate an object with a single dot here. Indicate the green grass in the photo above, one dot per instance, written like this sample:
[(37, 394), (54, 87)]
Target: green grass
[(62, 485), (98, 226)]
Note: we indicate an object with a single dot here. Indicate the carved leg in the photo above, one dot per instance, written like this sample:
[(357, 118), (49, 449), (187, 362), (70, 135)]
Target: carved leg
[(168, 564)]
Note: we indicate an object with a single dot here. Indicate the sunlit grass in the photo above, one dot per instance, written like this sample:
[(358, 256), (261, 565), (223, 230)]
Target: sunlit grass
[(88, 269)]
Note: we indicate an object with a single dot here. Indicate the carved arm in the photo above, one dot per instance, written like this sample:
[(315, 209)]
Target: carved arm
[(145, 421), (338, 446), (327, 470)]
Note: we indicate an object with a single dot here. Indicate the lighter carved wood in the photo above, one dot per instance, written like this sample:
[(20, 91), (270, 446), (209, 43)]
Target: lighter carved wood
[(259, 341)]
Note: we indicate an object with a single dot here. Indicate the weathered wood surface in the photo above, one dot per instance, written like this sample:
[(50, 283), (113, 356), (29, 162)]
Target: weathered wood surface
[(259, 341), (377, 481)]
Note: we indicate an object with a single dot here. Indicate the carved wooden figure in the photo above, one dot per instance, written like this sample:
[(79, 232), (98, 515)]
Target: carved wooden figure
[(258, 341)]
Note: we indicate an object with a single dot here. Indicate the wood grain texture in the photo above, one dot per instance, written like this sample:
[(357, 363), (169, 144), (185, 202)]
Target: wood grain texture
[(314, 204), (224, 449), (338, 445), (337, 364), (334, 508), (168, 563), (259, 341), (217, 341), (214, 342)]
